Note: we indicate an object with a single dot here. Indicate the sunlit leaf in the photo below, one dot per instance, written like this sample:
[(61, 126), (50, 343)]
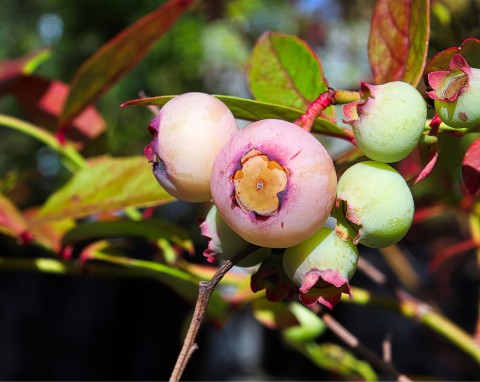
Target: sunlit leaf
[(469, 49), (12, 222), (284, 70), (309, 327), (471, 168), (252, 110), (43, 99), (106, 185), (152, 229), (398, 40), (117, 57), (274, 315)]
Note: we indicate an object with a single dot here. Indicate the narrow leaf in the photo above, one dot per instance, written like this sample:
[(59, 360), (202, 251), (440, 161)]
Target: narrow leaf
[(117, 57), (284, 70), (274, 315), (107, 185), (398, 41), (152, 229), (471, 168), (252, 110)]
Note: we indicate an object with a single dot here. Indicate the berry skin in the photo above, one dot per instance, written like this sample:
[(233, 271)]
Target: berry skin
[(189, 131), (274, 184), (225, 243), (374, 205), (388, 121), (456, 92), (322, 267)]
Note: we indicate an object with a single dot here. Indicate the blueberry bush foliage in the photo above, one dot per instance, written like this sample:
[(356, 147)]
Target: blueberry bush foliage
[(311, 199)]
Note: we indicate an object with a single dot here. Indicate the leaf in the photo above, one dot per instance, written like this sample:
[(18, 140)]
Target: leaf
[(469, 49), (152, 229), (117, 57), (252, 110), (43, 99), (471, 168), (310, 326), (284, 70), (398, 41), (71, 156), (12, 222), (11, 69), (107, 185), (274, 315)]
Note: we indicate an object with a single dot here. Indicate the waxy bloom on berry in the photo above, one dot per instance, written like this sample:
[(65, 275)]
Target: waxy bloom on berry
[(456, 93), (388, 121), (321, 267), (374, 205), (274, 184), (188, 133)]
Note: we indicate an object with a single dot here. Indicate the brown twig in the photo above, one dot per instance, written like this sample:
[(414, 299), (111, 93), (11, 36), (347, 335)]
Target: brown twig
[(353, 342), (205, 290)]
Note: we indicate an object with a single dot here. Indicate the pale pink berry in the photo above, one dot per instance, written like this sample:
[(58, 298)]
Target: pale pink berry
[(274, 184), (188, 133)]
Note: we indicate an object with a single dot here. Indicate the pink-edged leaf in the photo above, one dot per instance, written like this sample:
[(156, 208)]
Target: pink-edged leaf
[(398, 41), (117, 57), (43, 99), (12, 222), (469, 49), (11, 69), (284, 70), (106, 185), (471, 168)]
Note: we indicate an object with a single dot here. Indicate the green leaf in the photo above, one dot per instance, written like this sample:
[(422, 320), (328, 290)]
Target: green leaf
[(309, 327), (73, 159), (152, 229), (284, 70), (12, 222), (118, 56), (108, 184), (398, 42), (252, 110), (274, 315)]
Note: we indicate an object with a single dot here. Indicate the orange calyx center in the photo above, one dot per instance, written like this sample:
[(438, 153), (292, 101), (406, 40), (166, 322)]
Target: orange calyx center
[(258, 183)]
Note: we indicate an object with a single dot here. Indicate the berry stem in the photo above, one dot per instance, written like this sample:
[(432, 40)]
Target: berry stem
[(323, 101), (205, 290)]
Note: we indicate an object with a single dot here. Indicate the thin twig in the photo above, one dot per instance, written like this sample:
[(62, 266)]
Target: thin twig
[(205, 290), (352, 341)]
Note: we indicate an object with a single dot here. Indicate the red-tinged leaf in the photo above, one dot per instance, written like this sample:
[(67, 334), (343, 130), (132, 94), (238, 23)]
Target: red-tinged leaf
[(11, 69), (284, 70), (117, 57), (43, 99), (49, 234), (106, 185), (471, 168), (12, 222), (398, 42), (469, 49), (450, 252)]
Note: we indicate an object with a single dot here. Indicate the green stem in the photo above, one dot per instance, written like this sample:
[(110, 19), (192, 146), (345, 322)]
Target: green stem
[(342, 97), (74, 160), (422, 313)]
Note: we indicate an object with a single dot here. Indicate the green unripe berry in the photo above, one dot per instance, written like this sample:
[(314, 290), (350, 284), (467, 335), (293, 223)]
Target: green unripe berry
[(374, 205), (388, 121)]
